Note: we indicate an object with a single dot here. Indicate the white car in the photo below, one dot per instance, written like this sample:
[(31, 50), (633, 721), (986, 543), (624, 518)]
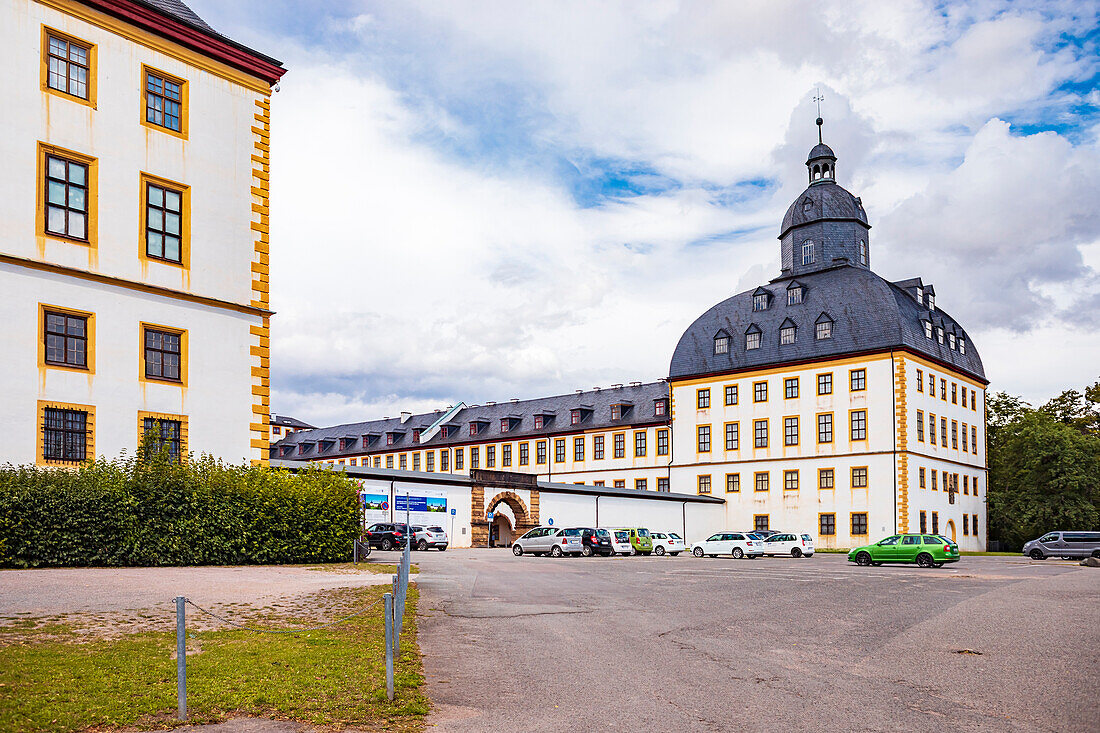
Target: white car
[(667, 543), (737, 544), (789, 543), (620, 541)]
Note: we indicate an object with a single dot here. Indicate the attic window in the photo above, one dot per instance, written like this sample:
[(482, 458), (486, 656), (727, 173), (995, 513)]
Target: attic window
[(931, 302), (951, 340), (787, 334), (616, 412), (823, 327), (752, 340), (760, 302), (808, 252), (862, 252), (416, 435), (722, 344), (939, 334), (927, 329), (574, 417), (962, 345), (505, 423), (920, 294), (794, 295), (538, 422), (473, 428), (389, 438), (660, 407), (286, 449), (443, 431)]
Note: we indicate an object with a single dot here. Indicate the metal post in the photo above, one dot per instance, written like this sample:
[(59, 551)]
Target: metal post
[(388, 613), (395, 645), (181, 657)]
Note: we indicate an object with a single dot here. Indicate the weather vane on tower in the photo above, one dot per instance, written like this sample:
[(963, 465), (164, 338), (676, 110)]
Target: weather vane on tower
[(819, 98)]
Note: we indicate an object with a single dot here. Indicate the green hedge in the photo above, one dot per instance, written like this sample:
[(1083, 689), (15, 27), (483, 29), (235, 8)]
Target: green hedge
[(135, 512)]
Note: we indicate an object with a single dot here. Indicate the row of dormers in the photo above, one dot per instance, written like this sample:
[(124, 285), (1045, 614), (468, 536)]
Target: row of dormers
[(788, 334)]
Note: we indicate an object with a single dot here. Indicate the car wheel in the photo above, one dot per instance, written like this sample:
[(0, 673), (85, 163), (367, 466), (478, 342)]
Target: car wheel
[(387, 543), (1036, 554), (555, 551), (863, 558), (422, 545), (443, 549), (1096, 553), (659, 550), (587, 550), (698, 552), (796, 552), (925, 560), (738, 553), (517, 550)]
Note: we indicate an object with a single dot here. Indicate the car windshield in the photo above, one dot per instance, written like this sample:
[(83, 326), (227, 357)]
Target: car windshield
[(715, 538), (622, 536), (602, 533), (435, 529), (807, 537), (890, 540), (674, 536), (571, 532), (643, 533)]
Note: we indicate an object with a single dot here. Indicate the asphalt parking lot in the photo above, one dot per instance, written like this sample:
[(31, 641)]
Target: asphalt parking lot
[(532, 643)]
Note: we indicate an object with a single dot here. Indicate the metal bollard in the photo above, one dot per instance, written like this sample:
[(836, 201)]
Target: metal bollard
[(181, 657), (388, 613), (395, 644)]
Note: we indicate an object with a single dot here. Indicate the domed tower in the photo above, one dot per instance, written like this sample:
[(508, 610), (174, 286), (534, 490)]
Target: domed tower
[(826, 225)]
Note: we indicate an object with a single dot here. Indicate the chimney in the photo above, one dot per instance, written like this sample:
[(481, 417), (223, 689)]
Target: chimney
[(596, 389), (635, 384), (514, 400), (616, 386)]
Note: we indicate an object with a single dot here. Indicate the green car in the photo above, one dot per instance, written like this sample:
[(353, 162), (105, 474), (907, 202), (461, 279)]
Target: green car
[(640, 541), (926, 550)]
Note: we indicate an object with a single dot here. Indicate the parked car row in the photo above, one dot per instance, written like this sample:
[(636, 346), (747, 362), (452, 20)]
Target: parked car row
[(755, 544), (588, 541), (394, 536)]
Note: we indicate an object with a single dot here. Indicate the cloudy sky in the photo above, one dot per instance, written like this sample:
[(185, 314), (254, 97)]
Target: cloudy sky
[(486, 200)]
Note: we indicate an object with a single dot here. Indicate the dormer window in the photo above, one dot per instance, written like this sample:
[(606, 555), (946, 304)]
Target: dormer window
[(962, 345), (505, 423), (794, 295), (939, 334), (538, 422), (574, 417), (752, 340), (931, 302), (760, 302), (721, 343), (920, 294), (390, 438), (416, 435), (616, 412), (951, 340), (660, 407), (443, 431), (862, 252), (823, 327), (808, 252), (787, 332)]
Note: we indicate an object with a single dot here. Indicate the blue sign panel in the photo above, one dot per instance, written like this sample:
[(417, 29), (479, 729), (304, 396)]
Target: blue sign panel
[(454, 512), (550, 521)]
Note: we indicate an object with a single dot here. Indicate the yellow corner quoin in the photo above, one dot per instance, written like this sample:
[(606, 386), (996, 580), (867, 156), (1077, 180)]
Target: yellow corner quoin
[(91, 49), (185, 221), (89, 354), (158, 43), (89, 446), (182, 333), (92, 196), (182, 419)]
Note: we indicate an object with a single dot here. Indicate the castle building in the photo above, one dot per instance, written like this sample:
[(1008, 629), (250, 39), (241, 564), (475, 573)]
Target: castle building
[(133, 233), (827, 400)]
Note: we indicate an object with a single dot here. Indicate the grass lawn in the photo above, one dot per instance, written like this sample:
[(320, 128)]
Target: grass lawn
[(366, 566), (50, 679)]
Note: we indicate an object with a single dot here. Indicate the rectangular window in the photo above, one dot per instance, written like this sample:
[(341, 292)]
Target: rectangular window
[(732, 437), (790, 431), (163, 354), (955, 434), (935, 481), (943, 431), (524, 454), (859, 424), (662, 442), (68, 65), (966, 484), (760, 392), (574, 417), (164, 222), (67, 197), (539, 420), (920, 426), (620, 483), (506, 455), (787, 335), (825, 478), (475, 457), (825, 383), (826, 525), (540, 452), (559, 450), (616, 412), (429, 460), (823, 330), (704, 484), (733, 483), (794, 296), (972, 400), (964, 441), (790, 480), (491, 456), (64, 435), (920, 380), (808, 253), (416, 461), (825, 428), (923, 521), (790, 388), (752, 341), (760, 522), (935, 522), (920, 474), (943, 389), (639, 444), (931, 428), (65, 339), (619, 445), (859, 523), (858, 379), (597, 447), (402, 461), (378, 462), (660, 407), (859, 478), (164, 101), (760, 433), (702, 438), (702, 399), (158, 434), (760, 302), (731, 394), (640, 484), (578, 449), (931, 385), (974, 524), (505, 423), (761, 481), (662, 484), (974, 439), (389, 462), (954, 395), (460, 455)]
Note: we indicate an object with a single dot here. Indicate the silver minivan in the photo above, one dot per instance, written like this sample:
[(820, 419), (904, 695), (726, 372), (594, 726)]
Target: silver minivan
[(1066, 545), (552, 541)]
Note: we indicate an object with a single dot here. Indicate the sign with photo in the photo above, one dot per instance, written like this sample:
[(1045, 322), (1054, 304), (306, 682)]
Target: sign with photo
[(426, 506)]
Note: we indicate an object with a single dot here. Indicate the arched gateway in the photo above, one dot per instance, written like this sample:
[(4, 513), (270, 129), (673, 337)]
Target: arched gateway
[(518, 491)]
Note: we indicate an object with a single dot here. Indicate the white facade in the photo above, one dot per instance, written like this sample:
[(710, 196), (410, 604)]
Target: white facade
[(215, 298)]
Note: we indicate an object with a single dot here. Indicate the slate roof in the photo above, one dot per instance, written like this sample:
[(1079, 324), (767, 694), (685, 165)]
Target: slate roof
[(596, 403), (821, 150), (868, 313), (823, 200), (179, 11), (290, 422)]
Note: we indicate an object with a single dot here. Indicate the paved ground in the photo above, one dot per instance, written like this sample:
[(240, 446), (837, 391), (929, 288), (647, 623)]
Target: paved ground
[(526, 644)]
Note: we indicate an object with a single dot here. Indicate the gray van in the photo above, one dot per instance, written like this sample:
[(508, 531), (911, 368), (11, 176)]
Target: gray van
[(1066, 545)]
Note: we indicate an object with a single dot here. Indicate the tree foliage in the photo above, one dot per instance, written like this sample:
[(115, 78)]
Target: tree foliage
[(1044, 465), (150, 510)]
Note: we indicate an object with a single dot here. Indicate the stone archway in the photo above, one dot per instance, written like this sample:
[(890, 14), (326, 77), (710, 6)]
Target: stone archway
[(492, 489), (951, 529)]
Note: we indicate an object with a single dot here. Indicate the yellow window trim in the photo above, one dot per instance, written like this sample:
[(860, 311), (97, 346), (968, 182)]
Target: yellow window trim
[(756, 516), (754, 482), (185, 221), (827, 514), (866, 514), (866, 426), (182, 333), (738, 489), (767, 443), (89, 449), (699, 483), (90, 352), (853, 371), (142, 415), (91, 49), (817, 427), (184, 102), (754, 385), (92, 221), (822, 470), (852, 470), (797, 479)]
